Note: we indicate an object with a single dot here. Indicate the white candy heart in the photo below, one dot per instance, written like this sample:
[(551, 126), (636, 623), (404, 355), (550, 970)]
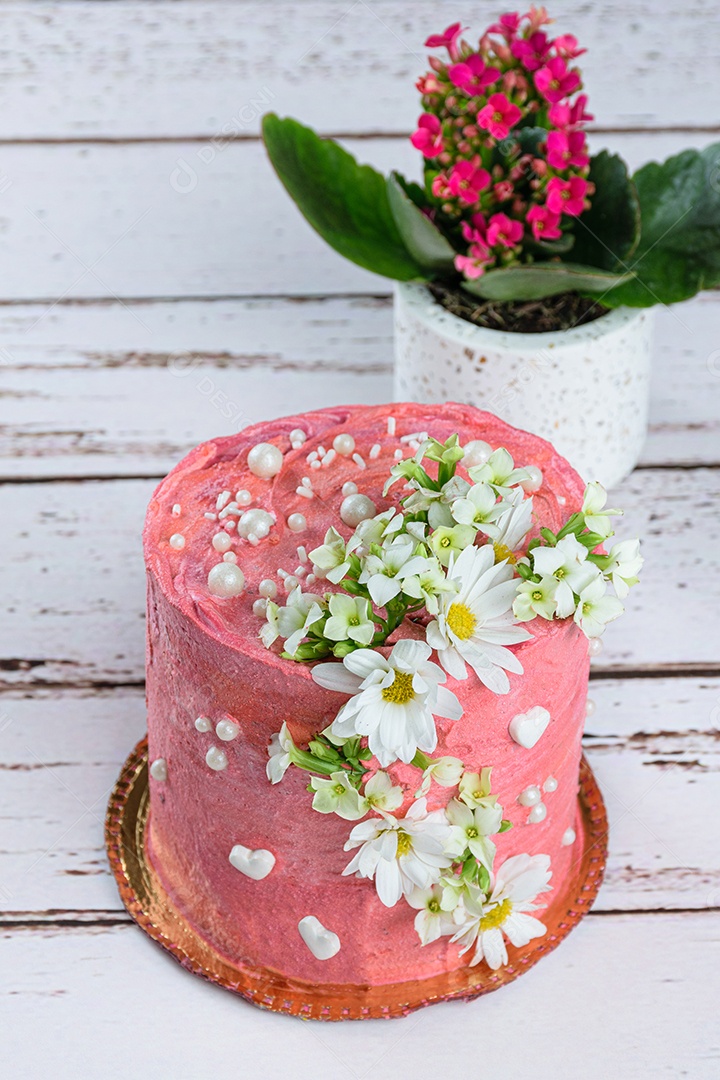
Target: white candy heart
[(322, 943), (526, 728), (253, 864)]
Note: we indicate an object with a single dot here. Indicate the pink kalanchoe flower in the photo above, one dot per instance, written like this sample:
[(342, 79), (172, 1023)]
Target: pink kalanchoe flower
[(507, 25), (543, 222), (447, 40), (565, 148), (531, 52), (563, 115), (554, 81), (503, 190), (537, 17), (466, 181), (503, 230), (475, 231), (567, 46), (498, 116), (473, 264), (428, 137), (473, 76), (566, 196)]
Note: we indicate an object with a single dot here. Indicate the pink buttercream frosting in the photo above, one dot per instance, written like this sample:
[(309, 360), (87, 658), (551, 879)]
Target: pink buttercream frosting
[(204, 658)]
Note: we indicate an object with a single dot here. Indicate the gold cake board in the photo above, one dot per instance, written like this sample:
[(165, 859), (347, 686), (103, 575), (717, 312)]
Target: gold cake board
[(149, 905)]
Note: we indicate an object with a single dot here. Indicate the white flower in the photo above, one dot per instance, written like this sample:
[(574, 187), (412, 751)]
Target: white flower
[(449, 542), (519, 880), (383, 573), (472, 830), (536, 598), (426, 583), (624, 567), (397, 700), (475, 789), (376, 529), (280, 751), (431, 922), (336, 795), (401, 854), (445, 771), (595, 608), (476, 624), (350, 617), (270, 631), (567, 564), (437, 503), (499, 471), (479, 506), (594, 501), (293, 621), (511, 527), (380, 794), (330, 559)]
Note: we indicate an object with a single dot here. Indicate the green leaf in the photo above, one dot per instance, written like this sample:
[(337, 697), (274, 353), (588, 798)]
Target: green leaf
[(346, 203), (679, 249), (538, 280), (608, 233), (421, 237)]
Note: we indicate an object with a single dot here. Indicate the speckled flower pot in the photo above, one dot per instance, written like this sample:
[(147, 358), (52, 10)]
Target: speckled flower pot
[(586, 389)]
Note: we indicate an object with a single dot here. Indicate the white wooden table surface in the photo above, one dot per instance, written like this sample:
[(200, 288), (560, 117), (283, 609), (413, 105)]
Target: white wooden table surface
[(158, 288)]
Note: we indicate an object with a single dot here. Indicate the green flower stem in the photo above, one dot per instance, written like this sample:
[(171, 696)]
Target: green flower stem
[(307, 761)]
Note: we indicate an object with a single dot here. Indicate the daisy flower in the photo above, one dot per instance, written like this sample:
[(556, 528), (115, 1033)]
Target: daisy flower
[(508, 532), (395, 699), (518, 882), (476, 624)]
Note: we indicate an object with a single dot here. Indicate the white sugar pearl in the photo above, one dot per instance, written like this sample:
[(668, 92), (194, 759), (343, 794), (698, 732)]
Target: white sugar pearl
[(534, 480), (227, 730), (221, 541), (216, 759), (226, 580), (589, 707), (267, 588), (243, 497), (297, 523), (356, 508), (290, 583), (158, 769), (265, 460), (349, 488), (568, 837), (203, 724), (476, 453), (344, 444), (176, 510), (230, 557), (595, 646), (297, 435), (177, 541), (260, 607), (538, 813), (254, 521), (550, 784), (530, 796)]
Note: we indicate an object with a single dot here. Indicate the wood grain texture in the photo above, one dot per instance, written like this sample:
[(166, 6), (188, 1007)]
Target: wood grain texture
[(653, 744), (79, 389), (119, 221), (195, 68), (657, 1023)]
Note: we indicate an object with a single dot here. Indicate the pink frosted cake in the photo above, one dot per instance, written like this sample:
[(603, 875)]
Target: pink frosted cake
[(366, 679)]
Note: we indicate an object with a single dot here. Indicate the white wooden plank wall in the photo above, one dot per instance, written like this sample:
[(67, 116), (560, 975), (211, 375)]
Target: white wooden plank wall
[(159, 288)]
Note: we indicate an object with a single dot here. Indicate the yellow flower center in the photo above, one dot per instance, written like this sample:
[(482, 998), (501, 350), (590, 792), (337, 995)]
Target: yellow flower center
[(400, 690), (504, 552), (404, 844), (472, 832), (353, 621), (537, 594), (339, 789), (445, 542), (434, 906), (496, 916), (461, 621)]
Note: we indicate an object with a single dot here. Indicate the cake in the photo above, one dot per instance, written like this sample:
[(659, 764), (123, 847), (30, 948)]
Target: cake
[(367, 672)]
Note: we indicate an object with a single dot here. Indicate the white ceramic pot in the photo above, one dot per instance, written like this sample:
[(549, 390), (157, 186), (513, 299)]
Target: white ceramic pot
[(585, 389)]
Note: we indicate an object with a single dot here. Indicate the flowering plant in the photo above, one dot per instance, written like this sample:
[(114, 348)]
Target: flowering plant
[(512, 207)]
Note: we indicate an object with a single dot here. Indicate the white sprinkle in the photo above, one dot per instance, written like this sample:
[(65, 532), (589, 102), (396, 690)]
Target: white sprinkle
[(176, 510), (243, 497), (398, 455), (290, 582), (229, 524), (315, 464), (231, 508), (310, 579), (357, 458), (391, 425), (305, 492), (302, 554), (209, 516), (307, 482), (312, 456), (300, 571), (321, 451), (230, 556), (562, 500), (375, 450), (415, 436), (329, 457), (223, 499), (282, 573), (349, 488), (267, 588), (414, 445), (177, 541), (253, 538)]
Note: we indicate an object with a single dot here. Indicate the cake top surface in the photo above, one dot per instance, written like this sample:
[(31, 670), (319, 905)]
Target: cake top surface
[(214, 510)]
